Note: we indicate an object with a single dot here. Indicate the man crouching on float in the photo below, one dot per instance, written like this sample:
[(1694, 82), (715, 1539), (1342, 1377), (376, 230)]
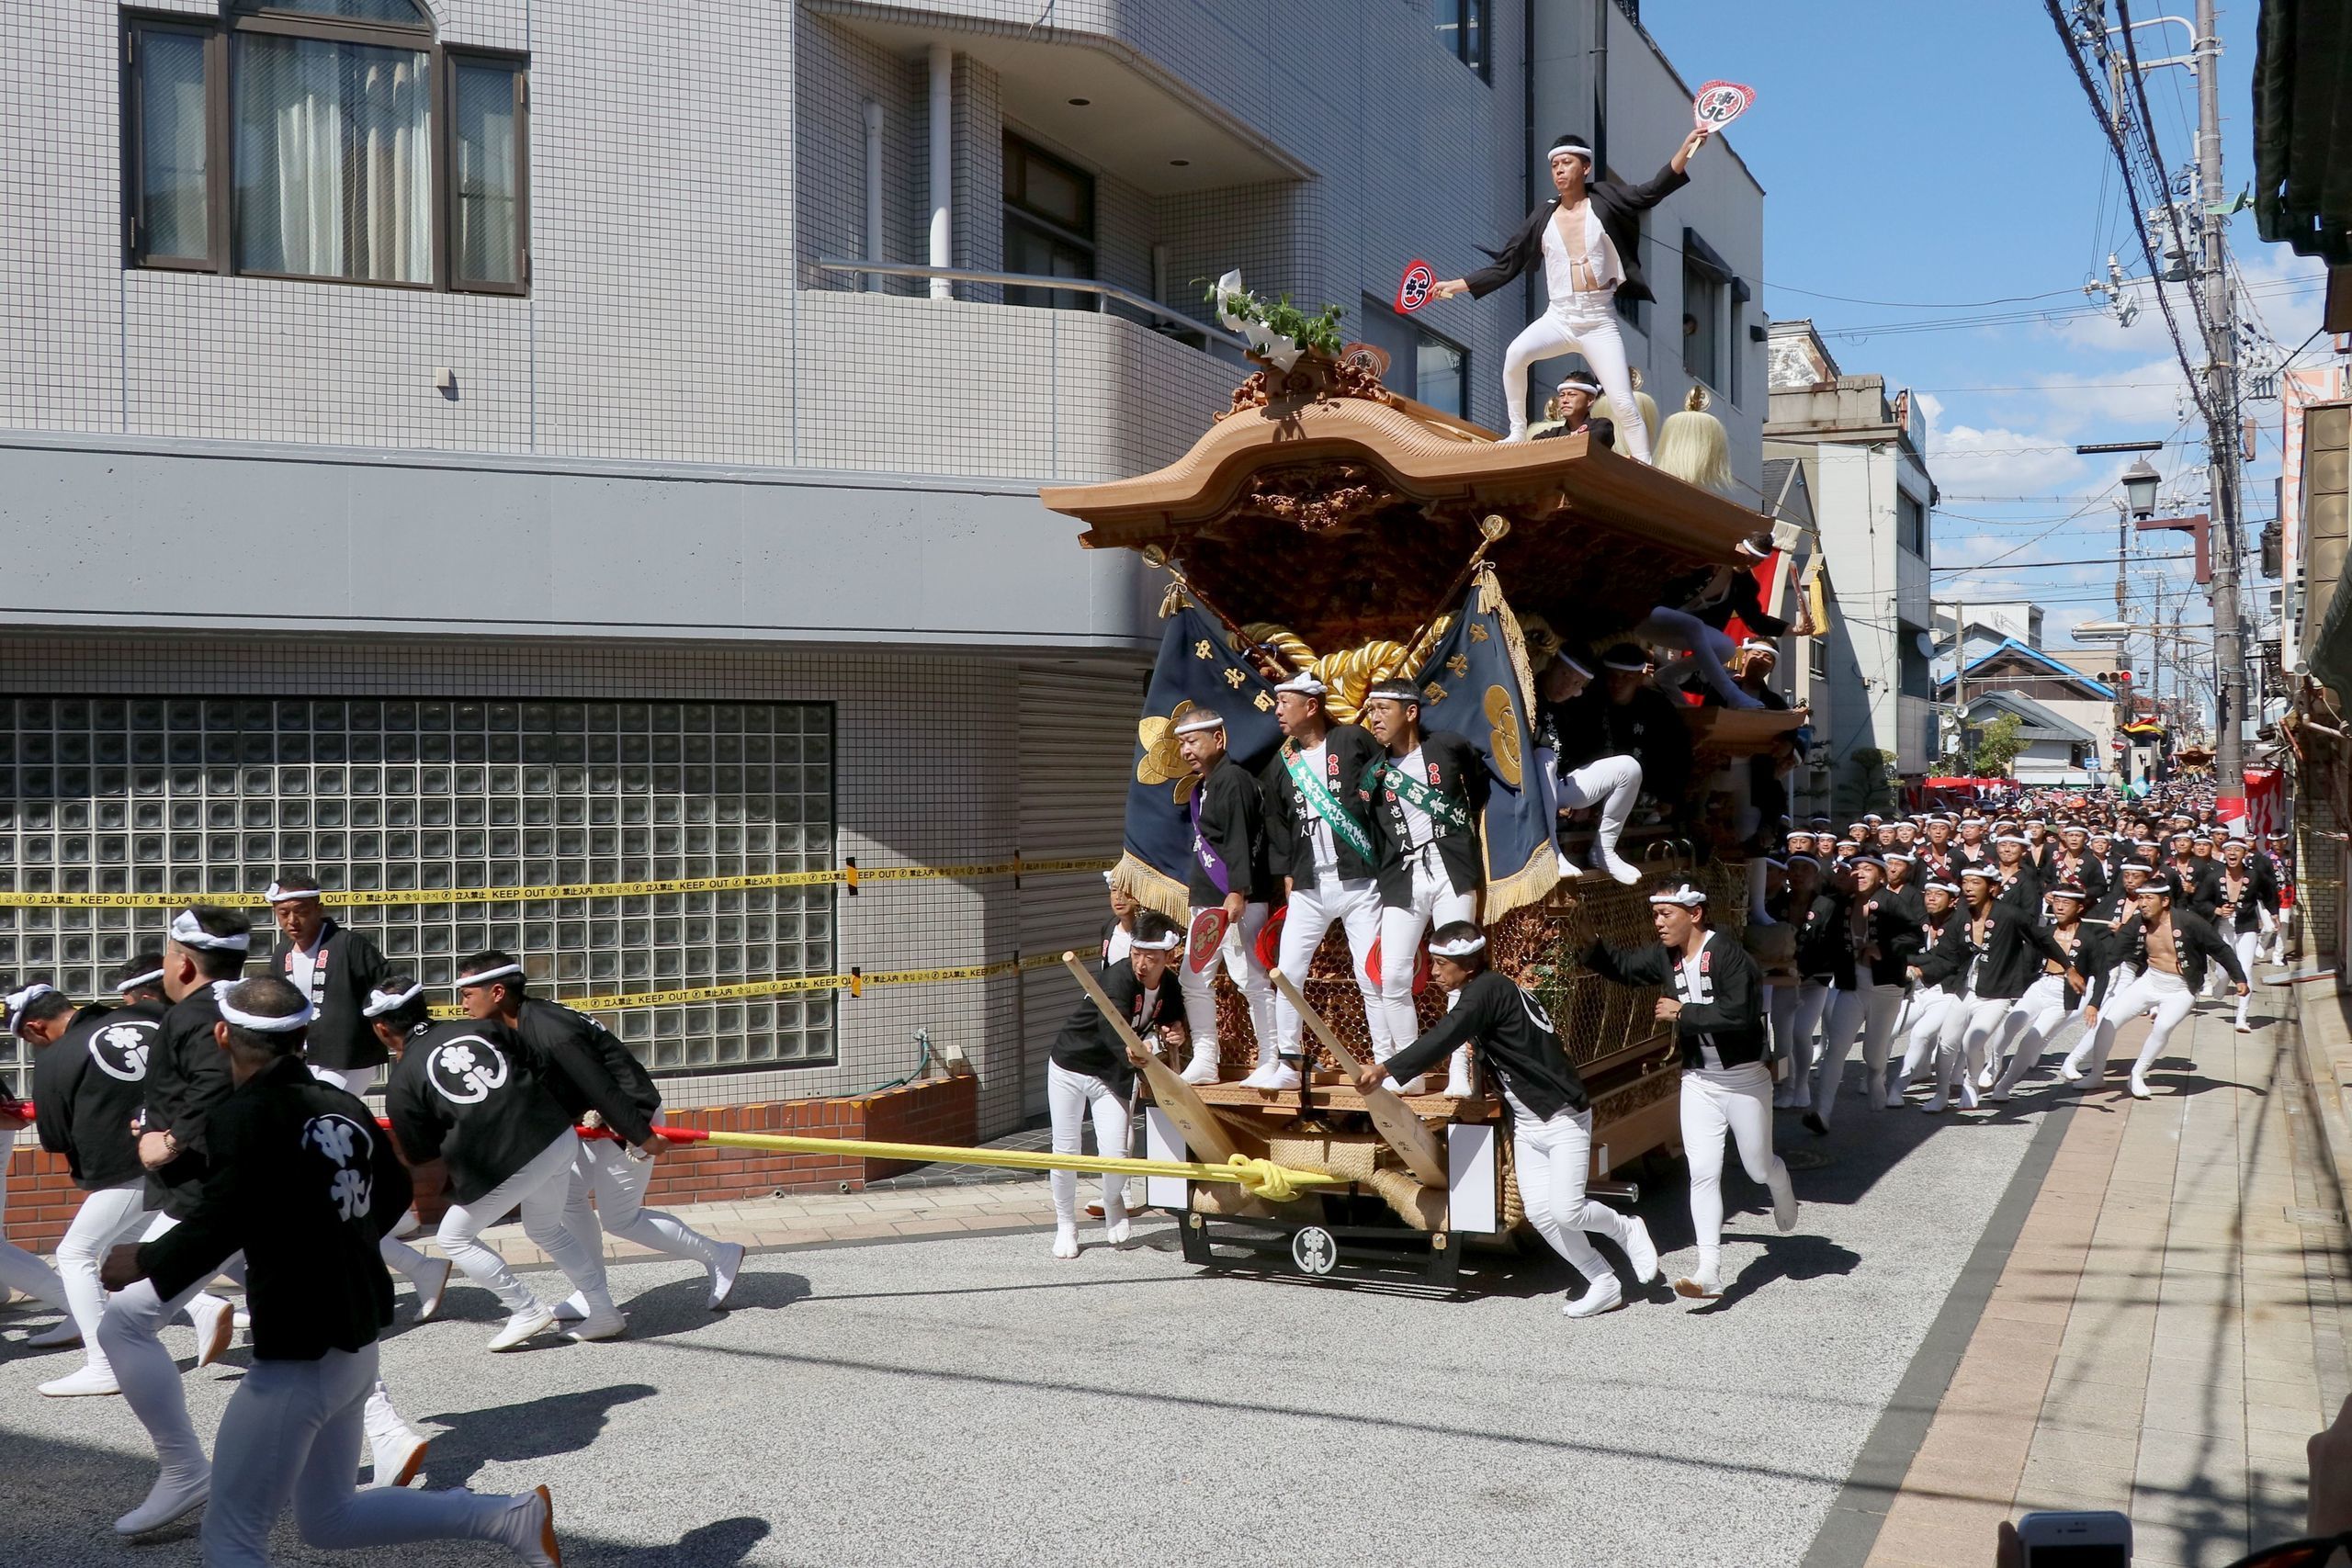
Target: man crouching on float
[(1551, 1117)]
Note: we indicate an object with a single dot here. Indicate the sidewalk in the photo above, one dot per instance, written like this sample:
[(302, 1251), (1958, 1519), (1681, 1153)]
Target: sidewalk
[(2164, 1333)]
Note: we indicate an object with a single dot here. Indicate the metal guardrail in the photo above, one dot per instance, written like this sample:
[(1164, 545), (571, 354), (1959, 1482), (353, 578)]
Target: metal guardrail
[(1133, 300)]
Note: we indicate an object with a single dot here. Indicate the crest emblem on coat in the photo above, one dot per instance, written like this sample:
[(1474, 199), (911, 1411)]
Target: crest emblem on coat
[(348, 1150), (121, 1050), (466, 1070)]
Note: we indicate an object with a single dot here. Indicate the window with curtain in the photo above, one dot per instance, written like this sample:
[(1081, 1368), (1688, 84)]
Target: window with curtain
[(326, 139)]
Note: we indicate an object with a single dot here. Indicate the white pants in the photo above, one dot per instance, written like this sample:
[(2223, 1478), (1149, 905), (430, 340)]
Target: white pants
[(1356, 906), (1716, 1101), (1612, 784), (292, 1432), (1925, 1019), (1555, 1157), (1435, 903), (1871, 1013), (1800, 1008), (1970, 1025), (2167, 996), (543, 1189), (20, 1271), (1680, 628), (2047, 1016), (1070, 1097), (1588, 325), (618, 1182), (106, 1218), (131, 1334), (1199, 997), (2246, 942)]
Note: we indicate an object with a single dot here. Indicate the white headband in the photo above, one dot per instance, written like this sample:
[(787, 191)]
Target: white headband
[(1950, 888), (1167, 943), (1758, 645), (188, 933), (485, 976), (1304, 684), (1631, 669), (1801, 860), (136, 981), (1462, 949), (381, 1002), (278, 895), (1686, 896), (262, 1022), (1575, 666), (1584, 152), (18, 1001), (2010, 839), (1194, 723)]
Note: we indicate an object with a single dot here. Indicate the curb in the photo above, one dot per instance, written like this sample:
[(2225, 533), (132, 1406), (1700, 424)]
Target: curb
[(2315, 1065)]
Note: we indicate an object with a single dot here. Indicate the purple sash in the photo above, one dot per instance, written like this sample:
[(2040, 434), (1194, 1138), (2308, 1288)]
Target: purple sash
[(1204, 851)]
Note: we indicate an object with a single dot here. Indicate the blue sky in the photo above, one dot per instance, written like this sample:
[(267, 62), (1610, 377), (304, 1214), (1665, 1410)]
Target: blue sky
[(1942, 155)]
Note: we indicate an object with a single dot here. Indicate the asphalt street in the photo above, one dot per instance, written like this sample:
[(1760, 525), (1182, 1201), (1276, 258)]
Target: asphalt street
[(971, 1400)]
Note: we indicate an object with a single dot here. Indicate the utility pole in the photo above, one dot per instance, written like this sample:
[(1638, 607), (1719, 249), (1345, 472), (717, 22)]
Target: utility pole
[(2221, 436)]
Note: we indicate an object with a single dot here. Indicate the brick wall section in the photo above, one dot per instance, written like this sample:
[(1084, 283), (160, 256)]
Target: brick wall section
[(42, 1197)]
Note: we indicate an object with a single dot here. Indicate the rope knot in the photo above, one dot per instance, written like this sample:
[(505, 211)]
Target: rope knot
[(1263, 1178)]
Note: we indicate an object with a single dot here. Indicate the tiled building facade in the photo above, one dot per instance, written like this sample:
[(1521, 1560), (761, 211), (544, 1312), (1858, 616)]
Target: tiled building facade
[(689, 477)]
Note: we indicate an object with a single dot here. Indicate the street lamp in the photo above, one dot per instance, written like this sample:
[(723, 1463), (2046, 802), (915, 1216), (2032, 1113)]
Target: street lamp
[(2139, 483)]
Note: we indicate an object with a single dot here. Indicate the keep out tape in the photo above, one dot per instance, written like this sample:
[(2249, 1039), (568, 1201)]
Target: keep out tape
[(849, 875), (854, 982)]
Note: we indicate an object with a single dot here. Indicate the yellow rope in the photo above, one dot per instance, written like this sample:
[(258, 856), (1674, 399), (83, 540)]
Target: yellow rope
[(1259, 1178)]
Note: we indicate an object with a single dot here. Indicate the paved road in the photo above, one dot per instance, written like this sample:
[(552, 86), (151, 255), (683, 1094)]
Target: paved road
[(969, 1399)]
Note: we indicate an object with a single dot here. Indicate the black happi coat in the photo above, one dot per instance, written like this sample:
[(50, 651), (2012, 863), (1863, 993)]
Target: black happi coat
[(2089, 871), (1887, 919), (2024, 894), (2261, 892), (1089, 1044), (1824, 955), (1455, 770), (349, 967), (188, 1075), (1649, 728), (475, 1095), (1620, 207), (1516, 1044), (1347, 750), (2197, 941), (2006, 961), (1726, 1012), (305, 1184), (89, 1084), (588, 1069), (2200, 885), (1233, 820), (1739, 597)]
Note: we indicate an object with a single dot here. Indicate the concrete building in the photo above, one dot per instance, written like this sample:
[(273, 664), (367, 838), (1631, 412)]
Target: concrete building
[(1865, 459), (453, 445), (1803, 580)]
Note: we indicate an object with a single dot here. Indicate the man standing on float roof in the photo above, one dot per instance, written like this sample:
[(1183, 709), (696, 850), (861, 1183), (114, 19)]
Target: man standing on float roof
[(1228, 885), (1588, 241)]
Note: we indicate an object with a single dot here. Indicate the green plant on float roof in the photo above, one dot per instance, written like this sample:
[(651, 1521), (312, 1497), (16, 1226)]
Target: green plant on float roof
[(1319, 333)]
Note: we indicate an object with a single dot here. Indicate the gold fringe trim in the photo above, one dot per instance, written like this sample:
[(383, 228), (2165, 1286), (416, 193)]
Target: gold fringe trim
[(1528, 885), (1153, 888)]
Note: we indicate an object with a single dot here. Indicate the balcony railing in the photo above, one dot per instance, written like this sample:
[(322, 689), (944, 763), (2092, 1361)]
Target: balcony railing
[(1107, 291)]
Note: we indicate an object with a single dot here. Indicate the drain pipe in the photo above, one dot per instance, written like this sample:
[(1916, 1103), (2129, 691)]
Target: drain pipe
[(867, 281), (942, 173)]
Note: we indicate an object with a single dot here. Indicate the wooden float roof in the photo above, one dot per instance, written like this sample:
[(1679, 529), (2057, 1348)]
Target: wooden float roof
[(1340, 517)]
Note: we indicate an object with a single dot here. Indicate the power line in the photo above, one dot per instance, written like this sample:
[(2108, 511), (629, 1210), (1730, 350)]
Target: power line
[(2080, 561)]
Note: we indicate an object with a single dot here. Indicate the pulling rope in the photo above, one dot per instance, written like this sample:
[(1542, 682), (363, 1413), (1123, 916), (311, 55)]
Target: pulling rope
[(1259, 1178)]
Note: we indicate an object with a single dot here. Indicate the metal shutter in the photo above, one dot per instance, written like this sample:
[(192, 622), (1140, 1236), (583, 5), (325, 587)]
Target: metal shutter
[(1078, 737)]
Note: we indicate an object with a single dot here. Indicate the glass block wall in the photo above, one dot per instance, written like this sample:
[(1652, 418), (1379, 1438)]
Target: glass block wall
[(190, 797)]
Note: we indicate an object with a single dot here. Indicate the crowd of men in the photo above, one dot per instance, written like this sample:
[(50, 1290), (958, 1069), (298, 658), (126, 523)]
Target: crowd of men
[(212, 1119)]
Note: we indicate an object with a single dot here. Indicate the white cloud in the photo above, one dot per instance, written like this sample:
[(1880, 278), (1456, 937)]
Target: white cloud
[(2001, 461)]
